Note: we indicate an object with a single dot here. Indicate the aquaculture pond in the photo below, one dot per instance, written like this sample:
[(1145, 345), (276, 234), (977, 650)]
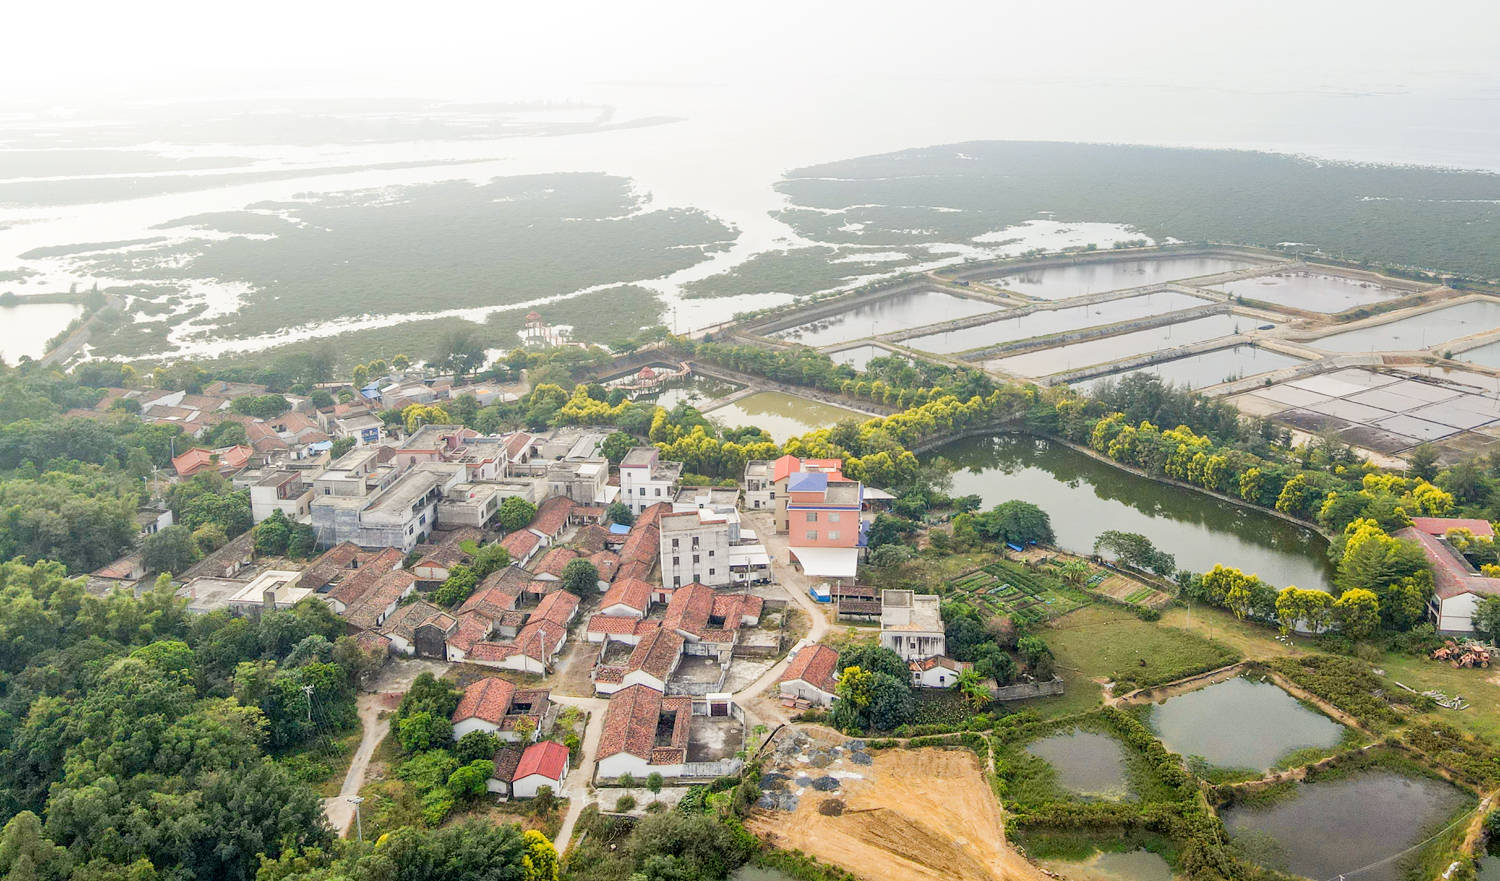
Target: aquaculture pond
[(1417, 331), (897, 312), (1241, 723), (1489, 869), (859, 357), (758, 873), (1058, 282), (1087, 763), (1044, 322), (1331, 828), (1206, 368), (1045, 362), (1085, 496), (1130, 865), (1311, 290), (784, 416), (696, 390)]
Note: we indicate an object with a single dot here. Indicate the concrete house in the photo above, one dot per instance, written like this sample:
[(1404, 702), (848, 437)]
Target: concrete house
[(938, 671), (911, 624), (645, 479), (542, 764)]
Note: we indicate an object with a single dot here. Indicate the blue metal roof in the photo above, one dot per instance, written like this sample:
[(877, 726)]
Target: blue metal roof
[(808, 481), (618, 529)]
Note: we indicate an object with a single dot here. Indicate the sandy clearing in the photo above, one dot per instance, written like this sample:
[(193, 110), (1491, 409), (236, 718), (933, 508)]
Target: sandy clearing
[(926, 815)]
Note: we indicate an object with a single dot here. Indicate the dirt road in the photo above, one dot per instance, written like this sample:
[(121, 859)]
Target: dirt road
[(338, 808), (579, 789), (926, 815)]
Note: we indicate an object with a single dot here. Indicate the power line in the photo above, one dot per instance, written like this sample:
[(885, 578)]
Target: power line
[(1423, 843)]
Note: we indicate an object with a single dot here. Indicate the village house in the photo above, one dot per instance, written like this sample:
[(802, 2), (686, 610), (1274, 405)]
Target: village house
[(938, 671), (1457, 586), (494, 705), (401, 514), (911, 624), (759, 484), (271, 590), (810, 678), (647, 731), (542, 764), (284, 490), (651, 661), (694, 547)]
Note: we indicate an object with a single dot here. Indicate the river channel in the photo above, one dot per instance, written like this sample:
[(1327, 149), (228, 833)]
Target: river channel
[(1086, 497)]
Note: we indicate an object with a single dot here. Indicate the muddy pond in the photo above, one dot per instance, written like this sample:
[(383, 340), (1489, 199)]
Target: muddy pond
[(1087, 763), (1132, 865), (1205, 368), (1326, 829), (1241, 723), (784, 416), (1044, 322), (897, 312), (1045, 362)]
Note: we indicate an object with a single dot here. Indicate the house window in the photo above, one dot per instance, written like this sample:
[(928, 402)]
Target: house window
[(677, 581), (710, 553), (674, 542), (812, 516), (812, 535), (643, 490), (695, 558), (833, 517), (710, 571), (676, 561), (833, 536), (658, 492)]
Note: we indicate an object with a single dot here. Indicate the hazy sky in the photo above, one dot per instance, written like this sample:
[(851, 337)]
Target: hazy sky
[(175, 49)]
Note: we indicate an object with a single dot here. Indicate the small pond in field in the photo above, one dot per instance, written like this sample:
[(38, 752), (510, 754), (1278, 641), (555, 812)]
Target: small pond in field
[(1311, 290), (896, 312), (784, 416), (1330, 828), (1205, 368), (1131, 865), (1058, 282), (1241, 723), (1087, 763)]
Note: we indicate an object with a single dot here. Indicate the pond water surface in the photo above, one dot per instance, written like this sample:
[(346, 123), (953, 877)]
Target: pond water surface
[(784, 416), (1311, 290), (26, 327), (1240, 723), (1335, 827), (1050, 321), (1085, 497), (1087, 763), (757, 873), (859, 356), (1417, 331), (897, 312), (696, 389), (1133, 865), (1045, 362), (1489, 869), (1058, 282), (1206, 368)]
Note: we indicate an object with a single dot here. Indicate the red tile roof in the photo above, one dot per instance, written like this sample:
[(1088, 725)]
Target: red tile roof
[(938, 661), (559, 607), (472, 628), (631, 592), (552, 515), (506, 759), (520, 543), (633, 569), (486, 699), (656, 653), (1439, 526), (641, 546), (491, 602), (630, 725), (373, 603), (547, 758), (607, 563), (591, 538), (616, 625), (815, 665), (1451, 575), (554, 561)]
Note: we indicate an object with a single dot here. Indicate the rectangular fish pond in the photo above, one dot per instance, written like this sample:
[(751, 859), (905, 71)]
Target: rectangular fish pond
[(1311, 290), (1045, 362), (1422, 331), (884, 315), (784, 416), (1045, 322), (1242, 723), (1205, 368), (1059, 282)]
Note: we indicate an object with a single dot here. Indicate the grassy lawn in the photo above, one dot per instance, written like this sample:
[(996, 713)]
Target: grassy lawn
[(1251, 640), (1102, 642)]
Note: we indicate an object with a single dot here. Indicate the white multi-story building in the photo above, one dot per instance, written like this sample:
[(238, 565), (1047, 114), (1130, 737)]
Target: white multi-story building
[(645, 479), (695, 547)]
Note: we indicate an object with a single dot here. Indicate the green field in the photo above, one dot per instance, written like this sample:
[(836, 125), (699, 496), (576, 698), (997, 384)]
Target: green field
[(1110, 644), (1010, 590)]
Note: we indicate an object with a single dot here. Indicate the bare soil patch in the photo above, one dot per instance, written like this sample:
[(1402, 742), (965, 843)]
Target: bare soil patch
[(924, 814)]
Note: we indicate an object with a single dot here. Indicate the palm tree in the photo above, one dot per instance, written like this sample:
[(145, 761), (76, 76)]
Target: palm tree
[(972, 687)]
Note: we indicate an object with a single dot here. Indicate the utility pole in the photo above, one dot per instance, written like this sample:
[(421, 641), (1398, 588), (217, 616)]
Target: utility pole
[(308, 690), (359, 825)]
